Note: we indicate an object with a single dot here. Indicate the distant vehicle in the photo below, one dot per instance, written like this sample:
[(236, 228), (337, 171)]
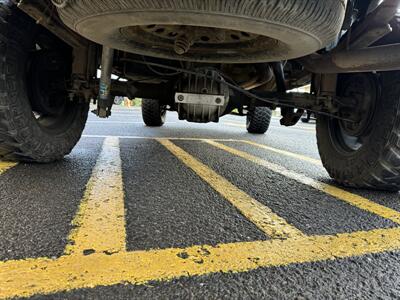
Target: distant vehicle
[(205, 59)]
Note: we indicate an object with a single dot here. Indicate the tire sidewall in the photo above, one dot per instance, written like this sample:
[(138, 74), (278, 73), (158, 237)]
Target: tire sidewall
[(354, 169), (33, 142), (301, 27)]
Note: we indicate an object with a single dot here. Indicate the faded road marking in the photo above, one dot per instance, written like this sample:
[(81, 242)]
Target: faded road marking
[(284, 152), (100, 221), (336, 192), (5, 166), (262, 216), (134, 137), (46, 276), (240, 125)]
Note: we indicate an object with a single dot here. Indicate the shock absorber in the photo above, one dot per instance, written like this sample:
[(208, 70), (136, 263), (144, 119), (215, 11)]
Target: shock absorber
[(290, 117), (105, 101)]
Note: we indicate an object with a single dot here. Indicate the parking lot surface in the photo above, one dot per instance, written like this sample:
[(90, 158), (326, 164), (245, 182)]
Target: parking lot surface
[(193, 211)]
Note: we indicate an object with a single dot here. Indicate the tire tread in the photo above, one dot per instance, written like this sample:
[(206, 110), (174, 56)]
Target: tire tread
[(20, 139), (380, 169), (260, 119)]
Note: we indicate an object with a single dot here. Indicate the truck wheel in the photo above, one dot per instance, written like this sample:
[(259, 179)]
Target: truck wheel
[(38, 122), (258, 120), (230, 31), (153, 112), (365, 154)]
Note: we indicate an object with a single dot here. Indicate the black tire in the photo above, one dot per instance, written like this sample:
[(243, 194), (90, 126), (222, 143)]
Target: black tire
[(153, 113), (305, 120), (297, 27), (23, 135), (258, 120), (375, 162)]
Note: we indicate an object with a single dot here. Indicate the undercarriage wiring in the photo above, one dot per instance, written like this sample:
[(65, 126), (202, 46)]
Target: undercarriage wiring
[(234, 86)]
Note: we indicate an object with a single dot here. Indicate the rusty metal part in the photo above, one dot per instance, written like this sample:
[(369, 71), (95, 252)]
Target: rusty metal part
[(290, 117), (371, 36), (380, 58), (249, 76), (47, 16), (351, 56), (202, 35), (367, 31), (264, 76), (186, 41), (182, 44)]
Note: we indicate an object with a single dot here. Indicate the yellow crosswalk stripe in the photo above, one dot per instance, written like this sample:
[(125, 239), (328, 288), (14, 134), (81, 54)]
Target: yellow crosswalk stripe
[(336, 192), (45, 276), (284, 152), (101, 227), (5, 166), (100, 221), (262, 216)]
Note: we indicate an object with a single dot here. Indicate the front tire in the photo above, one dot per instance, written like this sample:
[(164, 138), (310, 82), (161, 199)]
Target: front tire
[(365, 154), (38, 122), (153, 112), (258, 120)]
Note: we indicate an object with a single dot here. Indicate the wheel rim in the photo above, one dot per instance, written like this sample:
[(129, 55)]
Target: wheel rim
[(198, 41), (359, 94), (51, 107)]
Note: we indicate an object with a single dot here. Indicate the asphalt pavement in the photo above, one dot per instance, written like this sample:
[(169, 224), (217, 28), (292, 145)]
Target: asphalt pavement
[(193, 211)]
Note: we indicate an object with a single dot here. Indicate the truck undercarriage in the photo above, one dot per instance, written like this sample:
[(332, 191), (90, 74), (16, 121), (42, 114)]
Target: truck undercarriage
[(207, 60)]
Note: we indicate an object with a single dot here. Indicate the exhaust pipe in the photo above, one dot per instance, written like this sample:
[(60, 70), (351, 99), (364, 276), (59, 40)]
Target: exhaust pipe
[(380, 58), (352, 55)]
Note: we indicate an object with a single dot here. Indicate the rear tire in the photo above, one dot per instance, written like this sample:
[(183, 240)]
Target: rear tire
[(258, 120), (37, 120), (370, 156), (153, 112)]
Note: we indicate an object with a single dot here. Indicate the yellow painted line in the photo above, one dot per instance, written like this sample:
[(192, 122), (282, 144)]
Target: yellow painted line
[(353, 199), (280, 151), (45, 276), (5, 166), (286, 153), (262, 216), (100, 221)]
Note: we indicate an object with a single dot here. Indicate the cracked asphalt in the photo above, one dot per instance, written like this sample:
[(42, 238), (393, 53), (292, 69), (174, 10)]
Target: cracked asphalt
[(167, 205)]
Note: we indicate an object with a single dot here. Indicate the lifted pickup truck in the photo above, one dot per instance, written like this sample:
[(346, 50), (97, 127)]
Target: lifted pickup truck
[(205, 59)]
